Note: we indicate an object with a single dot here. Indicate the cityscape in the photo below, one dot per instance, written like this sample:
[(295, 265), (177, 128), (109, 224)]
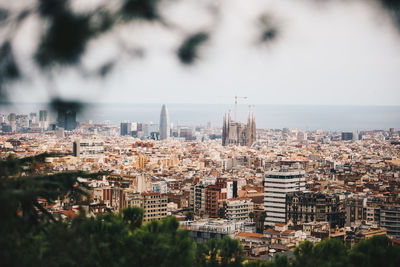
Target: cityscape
[(199, 133), (269, 188)]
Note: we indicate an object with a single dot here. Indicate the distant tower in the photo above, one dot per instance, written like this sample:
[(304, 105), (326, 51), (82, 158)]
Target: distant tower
[(164, 123), (44, 119), (237, 133), (66, 118), (43, 115)]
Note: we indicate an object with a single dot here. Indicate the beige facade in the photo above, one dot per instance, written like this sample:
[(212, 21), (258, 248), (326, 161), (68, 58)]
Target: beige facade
[(239, 209), (153, 204)]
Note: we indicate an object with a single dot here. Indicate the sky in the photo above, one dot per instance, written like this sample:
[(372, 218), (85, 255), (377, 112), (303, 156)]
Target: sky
[(333, 53)]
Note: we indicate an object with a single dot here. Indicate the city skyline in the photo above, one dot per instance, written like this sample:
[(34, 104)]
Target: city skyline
[(331, 118)]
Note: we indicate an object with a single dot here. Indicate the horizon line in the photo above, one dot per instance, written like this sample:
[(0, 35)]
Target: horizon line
[(9, 103)]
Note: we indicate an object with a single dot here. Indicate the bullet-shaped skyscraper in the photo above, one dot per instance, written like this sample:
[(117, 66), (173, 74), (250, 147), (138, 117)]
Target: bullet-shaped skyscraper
[(164, 123)]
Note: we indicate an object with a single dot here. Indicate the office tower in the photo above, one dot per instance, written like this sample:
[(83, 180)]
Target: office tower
[(66, 119), (126, 128), (186, 133), (355, 136), (33, 117), (277, 184), (43, 116), (238, 133), (150, 129), (164, 123), (12, 118), (139, 127), (22, 121), (347, 136), (43, 119)]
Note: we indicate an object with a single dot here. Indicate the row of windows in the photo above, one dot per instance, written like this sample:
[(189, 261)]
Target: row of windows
[(276, 197), (156, 206), (155, 201), (156, 210), (285, 176), (154, 215)]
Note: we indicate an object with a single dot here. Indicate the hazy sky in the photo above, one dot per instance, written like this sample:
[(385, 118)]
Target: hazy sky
[(325, 54)]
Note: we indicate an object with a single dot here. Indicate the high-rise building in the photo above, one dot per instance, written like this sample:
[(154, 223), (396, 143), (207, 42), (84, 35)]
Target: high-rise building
[(186, 133), (164, 123), (126, 128), (12, 118), (33, 117), (347, 136), (67, 119), (43, 116), (43, 119), (277, 184), (238, 133)]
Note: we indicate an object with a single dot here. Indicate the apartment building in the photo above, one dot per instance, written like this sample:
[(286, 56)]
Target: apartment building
[(305, 207), (153, 204), (214, 201), (238, 209), (277, 184)]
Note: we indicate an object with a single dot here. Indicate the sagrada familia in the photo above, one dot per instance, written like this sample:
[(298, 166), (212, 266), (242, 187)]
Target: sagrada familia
[(238, 133)]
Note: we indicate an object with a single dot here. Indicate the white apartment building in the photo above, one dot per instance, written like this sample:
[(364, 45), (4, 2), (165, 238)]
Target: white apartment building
[(88, 148), (238, 209), (276, 185)]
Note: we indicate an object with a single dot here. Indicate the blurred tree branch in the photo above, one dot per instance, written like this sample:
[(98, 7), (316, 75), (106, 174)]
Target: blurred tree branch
[(67, 31)]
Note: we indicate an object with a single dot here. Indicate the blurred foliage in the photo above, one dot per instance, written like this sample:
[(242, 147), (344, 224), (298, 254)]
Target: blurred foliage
[(66, 33), (61, 106), (3, 15), (393, 7), (140, 9), (65, 41), (269, 29), (188, 52)]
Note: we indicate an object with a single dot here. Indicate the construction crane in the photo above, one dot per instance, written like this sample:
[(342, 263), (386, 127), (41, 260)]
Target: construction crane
[(236, 102)]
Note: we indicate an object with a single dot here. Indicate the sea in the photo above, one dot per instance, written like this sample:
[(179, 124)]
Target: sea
[(303, 117)]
